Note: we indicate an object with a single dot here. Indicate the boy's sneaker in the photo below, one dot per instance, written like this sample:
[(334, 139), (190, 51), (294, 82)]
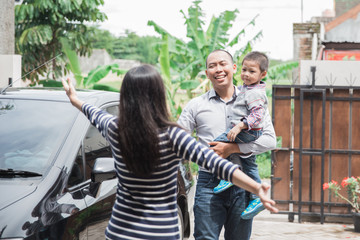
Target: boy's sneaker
[(255, 206), (223, 185)]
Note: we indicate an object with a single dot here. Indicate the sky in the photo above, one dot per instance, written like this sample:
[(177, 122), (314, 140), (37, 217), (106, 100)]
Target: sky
[(275, 19)]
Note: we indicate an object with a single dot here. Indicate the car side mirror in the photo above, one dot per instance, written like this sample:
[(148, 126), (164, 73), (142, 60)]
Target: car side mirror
[(104, 169)]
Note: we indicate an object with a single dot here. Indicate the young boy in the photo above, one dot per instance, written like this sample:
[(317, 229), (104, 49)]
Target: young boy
[(248, 113)]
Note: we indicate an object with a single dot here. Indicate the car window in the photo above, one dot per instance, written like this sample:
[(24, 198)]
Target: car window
[(94, 146), (31, 132)]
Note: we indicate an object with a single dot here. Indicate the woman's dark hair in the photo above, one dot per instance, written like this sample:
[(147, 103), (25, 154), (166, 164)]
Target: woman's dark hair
[(142, 113)]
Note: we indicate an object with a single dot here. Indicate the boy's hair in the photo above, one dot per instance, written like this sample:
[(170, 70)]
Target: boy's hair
[(219, 50), (258, 57)]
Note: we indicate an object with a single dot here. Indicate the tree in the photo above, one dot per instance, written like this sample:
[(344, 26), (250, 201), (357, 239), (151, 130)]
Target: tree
[(181, 62), (103, 39), (130, 46), (41, 23), (91, 81), (7, 46)]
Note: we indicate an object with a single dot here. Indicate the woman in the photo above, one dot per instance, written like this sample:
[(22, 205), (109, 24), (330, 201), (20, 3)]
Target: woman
[(147, 148)]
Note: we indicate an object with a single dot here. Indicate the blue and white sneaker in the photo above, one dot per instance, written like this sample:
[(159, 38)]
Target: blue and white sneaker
[(223, 185), (255, 206)]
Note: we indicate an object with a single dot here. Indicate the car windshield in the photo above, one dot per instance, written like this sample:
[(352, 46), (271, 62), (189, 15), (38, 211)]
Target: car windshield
[(31, 132)]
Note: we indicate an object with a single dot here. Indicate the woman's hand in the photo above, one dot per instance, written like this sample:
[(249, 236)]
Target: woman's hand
[(269, 204), (71, 93), (242, 180)]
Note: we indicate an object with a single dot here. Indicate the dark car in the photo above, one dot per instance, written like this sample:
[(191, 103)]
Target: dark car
[(57, 177)]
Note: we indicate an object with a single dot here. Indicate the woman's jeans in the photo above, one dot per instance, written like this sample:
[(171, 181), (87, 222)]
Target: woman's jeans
[(213, 211)]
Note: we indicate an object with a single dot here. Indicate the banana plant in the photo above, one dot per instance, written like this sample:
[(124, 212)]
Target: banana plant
[(93, 77), (281, 71), (181, 62)]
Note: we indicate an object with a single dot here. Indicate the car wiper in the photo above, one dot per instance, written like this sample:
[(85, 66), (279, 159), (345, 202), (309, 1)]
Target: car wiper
[(8, 173)]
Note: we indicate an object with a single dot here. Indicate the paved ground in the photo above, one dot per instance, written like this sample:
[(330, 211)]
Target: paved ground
[(269, 226)]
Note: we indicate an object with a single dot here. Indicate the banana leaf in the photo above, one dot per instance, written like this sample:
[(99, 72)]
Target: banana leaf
[(73, 61), (99, 73)]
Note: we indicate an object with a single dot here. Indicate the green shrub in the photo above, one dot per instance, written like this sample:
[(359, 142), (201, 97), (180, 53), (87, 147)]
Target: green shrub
[(264, 164)]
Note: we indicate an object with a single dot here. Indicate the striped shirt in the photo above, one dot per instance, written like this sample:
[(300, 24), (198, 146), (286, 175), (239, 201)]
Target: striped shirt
[(145, 208)]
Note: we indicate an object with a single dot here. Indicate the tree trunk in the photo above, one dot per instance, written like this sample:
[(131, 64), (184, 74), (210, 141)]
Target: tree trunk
[(7, 27)]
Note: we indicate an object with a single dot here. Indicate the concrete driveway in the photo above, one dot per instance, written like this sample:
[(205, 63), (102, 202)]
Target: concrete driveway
[(267, 226)]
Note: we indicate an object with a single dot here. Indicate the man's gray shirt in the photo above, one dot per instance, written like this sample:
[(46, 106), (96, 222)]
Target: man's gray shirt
[(210, 116)]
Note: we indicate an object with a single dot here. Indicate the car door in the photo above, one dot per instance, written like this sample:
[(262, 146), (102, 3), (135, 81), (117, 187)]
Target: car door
[(98, 197)]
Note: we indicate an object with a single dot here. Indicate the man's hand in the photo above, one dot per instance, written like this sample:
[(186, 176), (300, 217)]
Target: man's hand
[(224, 149)]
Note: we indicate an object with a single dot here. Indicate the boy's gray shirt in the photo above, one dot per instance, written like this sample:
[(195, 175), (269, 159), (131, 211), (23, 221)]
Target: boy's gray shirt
[(249, 97), (210, 116)]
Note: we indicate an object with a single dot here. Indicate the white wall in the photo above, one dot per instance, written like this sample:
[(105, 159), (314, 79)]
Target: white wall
[(330, 73), (10, 67), (347, 31)]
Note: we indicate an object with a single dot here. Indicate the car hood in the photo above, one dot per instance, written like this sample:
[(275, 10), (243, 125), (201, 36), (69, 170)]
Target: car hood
[(20, 201), (13, 193)]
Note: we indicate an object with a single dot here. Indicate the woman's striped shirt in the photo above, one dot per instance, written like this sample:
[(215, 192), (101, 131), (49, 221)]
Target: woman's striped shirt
[(145, 208)]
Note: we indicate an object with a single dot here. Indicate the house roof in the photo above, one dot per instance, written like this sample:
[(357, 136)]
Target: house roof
[(341, 45), (352, 13)]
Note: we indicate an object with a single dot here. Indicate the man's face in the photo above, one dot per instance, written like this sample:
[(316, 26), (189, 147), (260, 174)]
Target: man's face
[(220, 69), (251, 73)]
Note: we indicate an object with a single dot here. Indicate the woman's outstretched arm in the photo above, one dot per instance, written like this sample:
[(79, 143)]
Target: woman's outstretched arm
[(186, 147), (71, 93)]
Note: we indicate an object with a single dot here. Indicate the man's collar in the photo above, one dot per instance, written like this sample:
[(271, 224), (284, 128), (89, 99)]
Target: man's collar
[(213, 94)]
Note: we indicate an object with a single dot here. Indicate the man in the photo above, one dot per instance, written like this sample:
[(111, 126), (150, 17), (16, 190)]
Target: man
[(209, 114)]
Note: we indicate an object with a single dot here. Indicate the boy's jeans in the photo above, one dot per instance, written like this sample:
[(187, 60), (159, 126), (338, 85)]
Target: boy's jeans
[(244, 136), (249, 166)]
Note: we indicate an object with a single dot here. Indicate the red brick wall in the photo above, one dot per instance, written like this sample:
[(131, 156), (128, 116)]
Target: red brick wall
[(303, 39)]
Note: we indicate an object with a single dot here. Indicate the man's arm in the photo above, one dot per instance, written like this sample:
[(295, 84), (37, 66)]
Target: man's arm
[(186, 119)]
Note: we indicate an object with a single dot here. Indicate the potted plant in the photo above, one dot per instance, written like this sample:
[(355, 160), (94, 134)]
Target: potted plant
[(352, 186)]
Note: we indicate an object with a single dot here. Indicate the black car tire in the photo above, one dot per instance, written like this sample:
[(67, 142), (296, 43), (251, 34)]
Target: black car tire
[(181, 222)]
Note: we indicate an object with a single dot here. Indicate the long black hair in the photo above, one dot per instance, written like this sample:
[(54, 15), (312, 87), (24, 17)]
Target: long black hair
[(142, 114)]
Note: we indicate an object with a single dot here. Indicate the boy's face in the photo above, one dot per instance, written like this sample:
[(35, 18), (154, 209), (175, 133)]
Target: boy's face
[(251, 73), (220, 69)]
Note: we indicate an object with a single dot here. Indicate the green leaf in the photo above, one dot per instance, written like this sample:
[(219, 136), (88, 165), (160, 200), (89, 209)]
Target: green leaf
[(73, 61), (195, 32), (221, 25), (105, 87), (242, 32), (98, 73), (164, 61), (280, 71), (77, 3), (36, 44), (189, 84), (157, 28), (50, 83)]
